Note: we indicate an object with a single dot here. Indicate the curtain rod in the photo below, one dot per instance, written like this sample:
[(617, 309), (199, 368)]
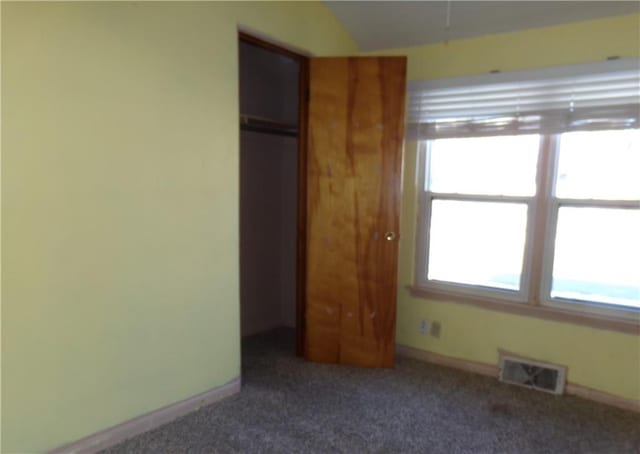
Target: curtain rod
[(258, 124)]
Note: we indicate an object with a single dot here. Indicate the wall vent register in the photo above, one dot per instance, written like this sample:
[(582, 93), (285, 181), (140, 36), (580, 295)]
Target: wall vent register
[(532, 374)]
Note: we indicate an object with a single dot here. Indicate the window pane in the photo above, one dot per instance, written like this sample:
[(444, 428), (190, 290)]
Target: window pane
[(599, 165), (597, 256), (477, 243), (504, 165)]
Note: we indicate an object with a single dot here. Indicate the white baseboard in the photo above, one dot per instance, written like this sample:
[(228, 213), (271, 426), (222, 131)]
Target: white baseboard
[(448, 361), (117, 434), (603, 397), (492, 371)]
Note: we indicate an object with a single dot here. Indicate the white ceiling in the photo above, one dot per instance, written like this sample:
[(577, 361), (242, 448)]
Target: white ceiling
[(386, 24)]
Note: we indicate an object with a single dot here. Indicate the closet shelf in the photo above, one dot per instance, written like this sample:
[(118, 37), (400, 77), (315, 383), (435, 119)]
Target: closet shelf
[(264, 125)]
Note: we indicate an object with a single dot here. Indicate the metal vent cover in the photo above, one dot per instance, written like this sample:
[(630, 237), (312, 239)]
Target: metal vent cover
[(550, 378)]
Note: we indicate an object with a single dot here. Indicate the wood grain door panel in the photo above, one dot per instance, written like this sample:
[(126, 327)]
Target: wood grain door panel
[(356, 125)]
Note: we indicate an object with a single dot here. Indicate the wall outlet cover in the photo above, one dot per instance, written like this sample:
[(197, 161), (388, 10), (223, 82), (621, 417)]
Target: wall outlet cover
[(424, 327)]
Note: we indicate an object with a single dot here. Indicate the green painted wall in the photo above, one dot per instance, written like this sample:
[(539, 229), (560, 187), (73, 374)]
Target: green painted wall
[(604, 360), (120, 205)]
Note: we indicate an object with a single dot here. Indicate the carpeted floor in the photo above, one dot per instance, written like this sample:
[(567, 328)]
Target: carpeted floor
[(289, 405)]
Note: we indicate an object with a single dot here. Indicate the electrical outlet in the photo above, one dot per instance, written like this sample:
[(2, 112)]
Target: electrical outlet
[(424, 327), (435, 329)]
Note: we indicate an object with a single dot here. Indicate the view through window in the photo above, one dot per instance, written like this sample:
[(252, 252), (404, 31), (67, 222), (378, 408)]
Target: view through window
[(484, 197)]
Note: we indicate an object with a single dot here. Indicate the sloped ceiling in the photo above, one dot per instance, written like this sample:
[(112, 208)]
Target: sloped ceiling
[(387, 24)]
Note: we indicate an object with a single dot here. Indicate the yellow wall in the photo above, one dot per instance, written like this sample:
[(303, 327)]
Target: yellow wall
[(120, 202), (120, 205), (599, 359), (580, 42), (604, 360)]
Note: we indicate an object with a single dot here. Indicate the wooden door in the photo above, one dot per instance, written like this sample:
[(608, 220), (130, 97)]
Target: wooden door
[(354, 165)]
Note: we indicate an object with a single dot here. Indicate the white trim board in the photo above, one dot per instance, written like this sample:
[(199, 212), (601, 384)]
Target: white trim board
[(144, 423), (491, 370)]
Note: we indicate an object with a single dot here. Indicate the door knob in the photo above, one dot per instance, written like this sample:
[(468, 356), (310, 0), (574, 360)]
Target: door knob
[(390, 236)]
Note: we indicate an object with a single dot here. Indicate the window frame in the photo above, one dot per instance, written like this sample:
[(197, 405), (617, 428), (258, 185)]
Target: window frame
[(422, 269), (534, 297), (548, 254)]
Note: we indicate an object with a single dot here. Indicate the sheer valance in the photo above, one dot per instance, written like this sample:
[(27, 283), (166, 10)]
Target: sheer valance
[(602, 95)]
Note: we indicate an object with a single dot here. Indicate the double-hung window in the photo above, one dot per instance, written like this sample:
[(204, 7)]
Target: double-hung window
[(593, 226), (529, 189), (479, 194)]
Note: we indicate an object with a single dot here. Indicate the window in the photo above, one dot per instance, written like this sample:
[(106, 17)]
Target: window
[(539, 207), (594, 220), (479, 203), (478, 193)]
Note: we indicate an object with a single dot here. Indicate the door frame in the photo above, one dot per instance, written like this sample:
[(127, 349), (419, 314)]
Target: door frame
[(301, 204)]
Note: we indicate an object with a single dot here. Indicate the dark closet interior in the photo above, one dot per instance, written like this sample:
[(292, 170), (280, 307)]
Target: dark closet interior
[(268, 188)]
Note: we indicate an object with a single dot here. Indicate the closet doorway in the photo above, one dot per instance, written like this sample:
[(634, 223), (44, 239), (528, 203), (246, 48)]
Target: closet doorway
[(273, 88)]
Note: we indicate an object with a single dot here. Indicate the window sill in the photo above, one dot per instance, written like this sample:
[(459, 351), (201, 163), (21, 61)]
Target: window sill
[(530, 310)]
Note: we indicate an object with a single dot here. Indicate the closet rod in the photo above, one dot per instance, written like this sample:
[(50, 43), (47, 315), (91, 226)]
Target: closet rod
[(251, 123)]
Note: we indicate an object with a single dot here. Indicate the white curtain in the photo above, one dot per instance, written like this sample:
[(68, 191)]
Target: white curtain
[(603, 95)]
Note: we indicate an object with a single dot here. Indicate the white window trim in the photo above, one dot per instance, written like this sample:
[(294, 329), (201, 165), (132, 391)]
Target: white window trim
[(535, 284), (553, 208), (426, 197)]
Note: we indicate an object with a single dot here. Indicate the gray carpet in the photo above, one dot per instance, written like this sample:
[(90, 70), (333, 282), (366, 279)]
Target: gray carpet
[(288, 405)]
